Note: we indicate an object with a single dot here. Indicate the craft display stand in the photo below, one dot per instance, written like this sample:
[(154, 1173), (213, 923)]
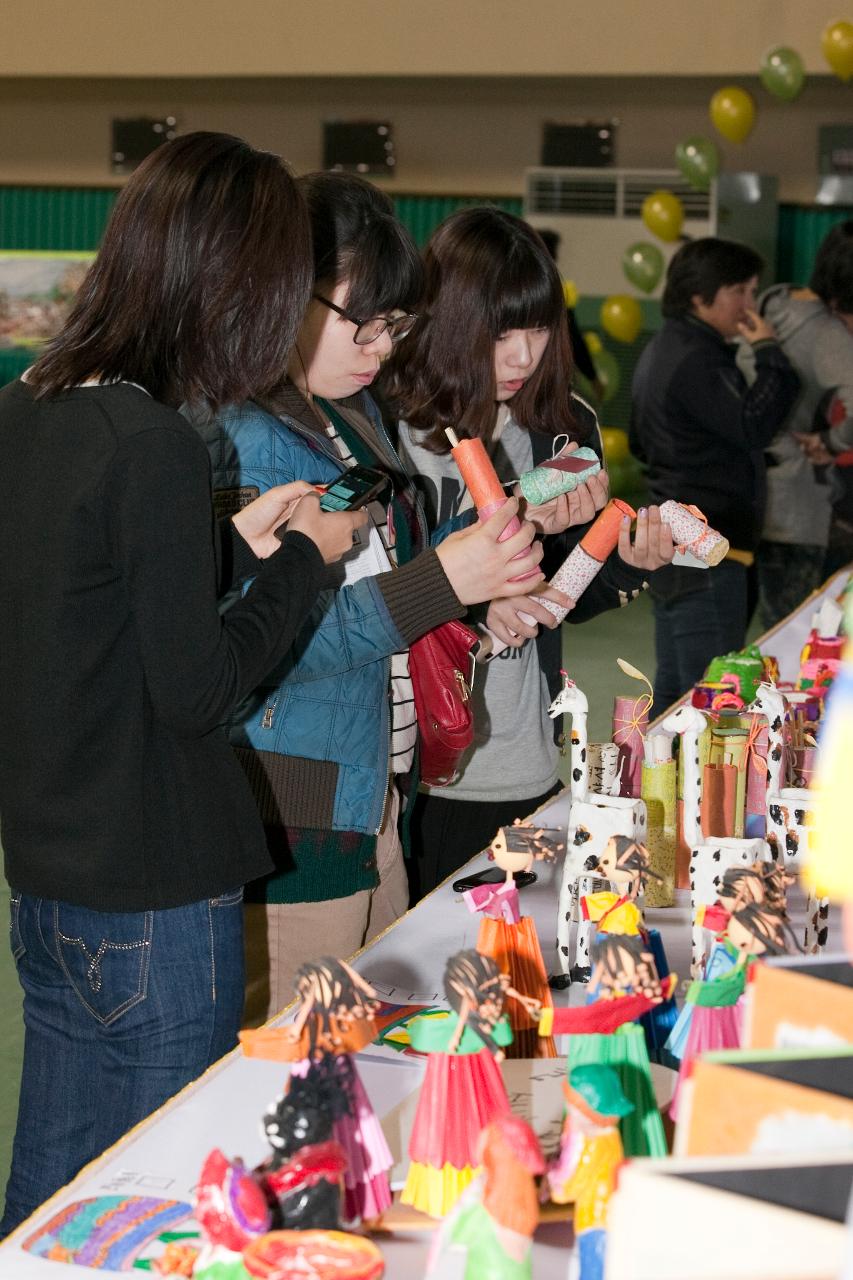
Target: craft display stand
[(163, 1156)]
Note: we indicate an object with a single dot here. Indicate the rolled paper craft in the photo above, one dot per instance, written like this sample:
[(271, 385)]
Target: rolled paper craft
[(691, 532), (657, 789), (561, 474), (578, 569), (487, 492)]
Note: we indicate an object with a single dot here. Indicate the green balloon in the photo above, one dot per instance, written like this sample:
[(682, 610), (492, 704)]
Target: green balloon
[(607, 372), (699, 161), (782, 73), (643, 265)]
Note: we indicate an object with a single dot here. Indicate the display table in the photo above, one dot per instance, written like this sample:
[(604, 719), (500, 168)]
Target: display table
[(162, 1157)]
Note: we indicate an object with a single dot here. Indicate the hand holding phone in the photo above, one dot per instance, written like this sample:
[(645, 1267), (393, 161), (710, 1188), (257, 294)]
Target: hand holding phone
[(354, 489)]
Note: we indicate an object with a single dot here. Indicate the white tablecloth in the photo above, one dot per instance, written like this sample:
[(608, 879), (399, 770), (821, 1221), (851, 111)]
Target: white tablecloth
[(163, 1155)]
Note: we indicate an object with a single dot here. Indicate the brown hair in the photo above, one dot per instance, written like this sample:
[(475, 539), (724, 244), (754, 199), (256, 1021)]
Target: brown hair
[(486, 272), (201, 281)]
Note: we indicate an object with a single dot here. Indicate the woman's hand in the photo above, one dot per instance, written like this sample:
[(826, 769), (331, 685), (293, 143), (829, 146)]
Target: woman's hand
[(813, 447), (257, 521), (652, 546), (755, 328), (567, 509), (479, 567), (298, 506), (332, 532), (503, 616)]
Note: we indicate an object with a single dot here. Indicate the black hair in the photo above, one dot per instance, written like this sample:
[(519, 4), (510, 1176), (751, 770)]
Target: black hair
[(486, 273), (200, 284), (702, 267), (358, 238), (551, 240), (335, 988), (832, 274), (633, 856)]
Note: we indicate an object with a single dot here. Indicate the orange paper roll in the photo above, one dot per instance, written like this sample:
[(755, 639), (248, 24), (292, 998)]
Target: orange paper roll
[(603, 536), (479, 474)]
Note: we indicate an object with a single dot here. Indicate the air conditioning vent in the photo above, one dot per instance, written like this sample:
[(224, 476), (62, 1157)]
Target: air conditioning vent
[(563, 194), (586, 193), (597, 213), (697, 204)]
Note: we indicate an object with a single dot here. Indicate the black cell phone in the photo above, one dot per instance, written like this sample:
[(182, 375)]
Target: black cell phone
[(493, 875), (354, 489)]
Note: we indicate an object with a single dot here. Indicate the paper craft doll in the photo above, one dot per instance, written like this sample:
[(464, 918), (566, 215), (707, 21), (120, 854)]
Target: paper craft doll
[(335, 1020), (511, 939), (626, 863), (494, 1220), (590, 1155), (463, 1089)]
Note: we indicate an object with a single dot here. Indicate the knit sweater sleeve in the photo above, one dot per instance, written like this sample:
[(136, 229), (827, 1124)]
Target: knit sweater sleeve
[(235, 559), (197, 664), (718, 399)]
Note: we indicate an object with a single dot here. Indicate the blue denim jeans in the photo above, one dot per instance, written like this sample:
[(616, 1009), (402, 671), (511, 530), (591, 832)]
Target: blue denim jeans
[(121, 1010), (699, 614)]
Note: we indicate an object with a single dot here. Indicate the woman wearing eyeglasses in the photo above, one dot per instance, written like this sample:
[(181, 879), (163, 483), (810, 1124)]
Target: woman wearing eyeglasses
[(323, 741)]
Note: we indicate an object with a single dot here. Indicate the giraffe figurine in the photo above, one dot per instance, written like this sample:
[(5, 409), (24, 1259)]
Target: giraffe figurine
[(711, 857), (789, 811), (593, 819), (771, 703)]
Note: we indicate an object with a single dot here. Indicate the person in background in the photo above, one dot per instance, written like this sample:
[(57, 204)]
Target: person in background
[(328, 740), (489, 357), (127, 825), (702, 431), (807, 493)]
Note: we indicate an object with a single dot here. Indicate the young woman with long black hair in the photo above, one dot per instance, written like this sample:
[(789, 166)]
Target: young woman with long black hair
[(490, 358)]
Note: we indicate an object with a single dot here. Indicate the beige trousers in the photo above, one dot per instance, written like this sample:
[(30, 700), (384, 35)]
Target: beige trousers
[(281, 936)]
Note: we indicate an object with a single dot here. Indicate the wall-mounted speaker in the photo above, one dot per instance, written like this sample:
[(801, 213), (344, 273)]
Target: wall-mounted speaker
[(359, 146), (585, 145), (133, 140)]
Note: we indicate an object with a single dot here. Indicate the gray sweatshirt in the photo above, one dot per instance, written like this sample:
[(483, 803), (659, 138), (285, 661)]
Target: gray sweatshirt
[(821, 350)]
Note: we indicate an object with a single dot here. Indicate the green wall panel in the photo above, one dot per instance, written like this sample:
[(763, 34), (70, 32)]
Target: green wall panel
[(40, 218), (53, 217), (422, 214), (800, 232)]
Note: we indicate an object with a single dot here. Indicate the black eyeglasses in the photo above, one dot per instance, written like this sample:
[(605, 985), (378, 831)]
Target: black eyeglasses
[(367, 331)]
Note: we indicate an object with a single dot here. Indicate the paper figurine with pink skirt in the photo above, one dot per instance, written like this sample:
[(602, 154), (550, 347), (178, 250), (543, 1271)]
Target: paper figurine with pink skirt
[(335, 1019)]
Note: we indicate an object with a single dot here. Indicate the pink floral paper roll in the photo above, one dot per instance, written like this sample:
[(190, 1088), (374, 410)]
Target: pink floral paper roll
[(630, 721), (693, 534), (573, 577)]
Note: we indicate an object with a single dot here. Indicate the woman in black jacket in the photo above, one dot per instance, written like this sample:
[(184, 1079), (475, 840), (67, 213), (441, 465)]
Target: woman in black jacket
[(127, 824)]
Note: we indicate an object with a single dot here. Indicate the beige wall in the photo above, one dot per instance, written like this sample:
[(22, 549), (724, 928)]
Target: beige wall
[(406, 37), (453, 134)]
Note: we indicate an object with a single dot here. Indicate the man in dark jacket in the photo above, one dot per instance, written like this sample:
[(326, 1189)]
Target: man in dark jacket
[(702, 431)]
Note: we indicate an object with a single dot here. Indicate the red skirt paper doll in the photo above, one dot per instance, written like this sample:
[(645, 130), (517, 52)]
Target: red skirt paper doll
[(463, 1089)]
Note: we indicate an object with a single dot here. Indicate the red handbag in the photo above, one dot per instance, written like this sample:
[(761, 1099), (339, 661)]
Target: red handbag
[(441, 665)]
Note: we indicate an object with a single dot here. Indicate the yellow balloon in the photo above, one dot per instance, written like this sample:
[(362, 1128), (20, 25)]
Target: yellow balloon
[(570, 293), (732, 112), (663, 214), (837, 44), (594, 345), (621, 317), (615, 445)]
